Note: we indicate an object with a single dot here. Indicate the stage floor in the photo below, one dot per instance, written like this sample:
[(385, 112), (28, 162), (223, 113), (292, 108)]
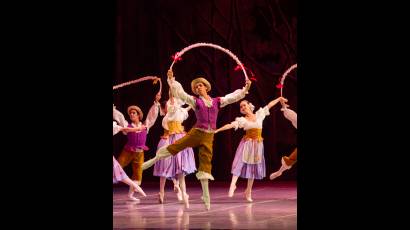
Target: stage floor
[(273, 207)]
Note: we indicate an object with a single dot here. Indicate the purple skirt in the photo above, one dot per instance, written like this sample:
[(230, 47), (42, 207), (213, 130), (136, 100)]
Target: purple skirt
[(118, 173), (182, 162), (245, 170)]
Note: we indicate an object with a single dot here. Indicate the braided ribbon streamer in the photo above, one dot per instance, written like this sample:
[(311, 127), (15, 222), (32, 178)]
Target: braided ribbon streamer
[(154, 78), (282, 80), (179, 54)]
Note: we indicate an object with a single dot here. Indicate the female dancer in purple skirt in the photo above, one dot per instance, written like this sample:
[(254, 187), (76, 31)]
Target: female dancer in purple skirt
[(249, 161), (181, 164)]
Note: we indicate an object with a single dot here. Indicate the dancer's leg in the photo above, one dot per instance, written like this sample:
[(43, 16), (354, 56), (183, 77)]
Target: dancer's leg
[(205, 194), (189, 140), (233, 186), (137, 161), (161, 193), (248, 191), (287, 163), (177, 189), (134, 186), (185, 197)]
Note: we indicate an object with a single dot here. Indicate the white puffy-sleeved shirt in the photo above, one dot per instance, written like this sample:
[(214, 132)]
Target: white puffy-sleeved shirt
[(119, 117), (291, 116), (179, 92), (116, 128), (242, 122), (175, 112)]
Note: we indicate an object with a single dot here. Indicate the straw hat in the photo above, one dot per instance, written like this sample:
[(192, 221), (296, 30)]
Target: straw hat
[(136, 108), (200, 80)]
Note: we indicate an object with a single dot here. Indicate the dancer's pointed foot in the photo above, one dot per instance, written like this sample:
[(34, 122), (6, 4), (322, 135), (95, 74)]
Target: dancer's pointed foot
[(248, 195), (178, 191), (132, 198), (161, 197), (137, 188), (207, 202), (185, 198), (231, 190), (275, 174)]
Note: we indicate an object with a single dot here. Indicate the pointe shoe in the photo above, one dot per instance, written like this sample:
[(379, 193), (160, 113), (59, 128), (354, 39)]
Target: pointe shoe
[(207, 202), (282, 168), (178, 191), (161, 198), (131, 194), (275, 174), (248, 196), (137, 188), (132, 198), (185, 198), (231, 190)]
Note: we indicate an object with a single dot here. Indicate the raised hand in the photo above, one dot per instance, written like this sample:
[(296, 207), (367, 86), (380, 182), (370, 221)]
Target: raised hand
[(248, 85), (170, 74)]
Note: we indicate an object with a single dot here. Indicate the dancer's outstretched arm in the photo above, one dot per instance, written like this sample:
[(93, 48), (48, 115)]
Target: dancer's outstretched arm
[(291, 116), (236, 95), (237, 123), (128, 129), (153, 112), (119, 117), (225, 127), (288, 113), (178, 91), (274, 102), (116, 128)]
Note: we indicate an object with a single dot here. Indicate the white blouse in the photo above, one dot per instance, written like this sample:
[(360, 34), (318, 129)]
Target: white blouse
[(116, 128), (118, 116), (242, 122), (175, 112)]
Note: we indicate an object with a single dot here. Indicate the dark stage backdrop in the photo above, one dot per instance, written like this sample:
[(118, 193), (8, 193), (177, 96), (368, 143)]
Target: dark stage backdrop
[(261, 33)]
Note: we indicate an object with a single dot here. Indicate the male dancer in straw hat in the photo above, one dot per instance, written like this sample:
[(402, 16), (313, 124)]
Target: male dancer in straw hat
[(118, 173), (133, 150), (202, 134)]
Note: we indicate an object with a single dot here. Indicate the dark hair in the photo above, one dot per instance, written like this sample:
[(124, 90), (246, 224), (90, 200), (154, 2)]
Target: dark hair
[(251, 106)]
